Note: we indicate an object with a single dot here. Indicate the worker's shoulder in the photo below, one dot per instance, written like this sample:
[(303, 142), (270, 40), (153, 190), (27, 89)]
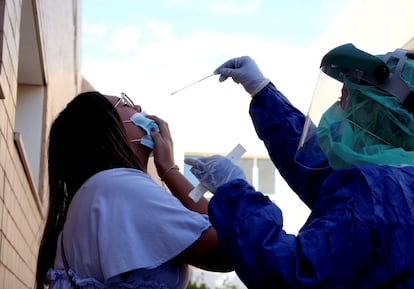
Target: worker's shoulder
[(373, 176), (370, 175)]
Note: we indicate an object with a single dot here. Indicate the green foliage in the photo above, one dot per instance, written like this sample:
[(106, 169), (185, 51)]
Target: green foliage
[(194, 285), (200, 284)]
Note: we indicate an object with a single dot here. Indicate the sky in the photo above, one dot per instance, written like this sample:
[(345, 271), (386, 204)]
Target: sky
[(149, 49)]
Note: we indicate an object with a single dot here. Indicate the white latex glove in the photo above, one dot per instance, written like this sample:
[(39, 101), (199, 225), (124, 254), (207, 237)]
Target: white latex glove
[(245, 71), (214, 171)]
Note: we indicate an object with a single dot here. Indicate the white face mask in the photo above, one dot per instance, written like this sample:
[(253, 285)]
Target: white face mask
[(140, 119)]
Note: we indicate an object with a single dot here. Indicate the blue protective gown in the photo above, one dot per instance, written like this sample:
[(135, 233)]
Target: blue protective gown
[(360, 233)]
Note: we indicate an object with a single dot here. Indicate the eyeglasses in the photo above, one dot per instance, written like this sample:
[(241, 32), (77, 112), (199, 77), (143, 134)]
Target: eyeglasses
[(126, 101)]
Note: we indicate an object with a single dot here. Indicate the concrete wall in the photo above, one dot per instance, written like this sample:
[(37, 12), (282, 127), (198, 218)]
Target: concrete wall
[(39, 54)]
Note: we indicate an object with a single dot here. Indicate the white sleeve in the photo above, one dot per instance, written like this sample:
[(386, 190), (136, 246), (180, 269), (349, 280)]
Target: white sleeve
[(140, 225)]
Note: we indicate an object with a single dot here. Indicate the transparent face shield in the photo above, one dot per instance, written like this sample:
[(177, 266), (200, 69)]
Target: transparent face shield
[(361, 112), (350, 122), (328, 91)]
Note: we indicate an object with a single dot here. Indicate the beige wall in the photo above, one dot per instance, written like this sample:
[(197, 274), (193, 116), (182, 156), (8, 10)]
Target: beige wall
[(56, 80)]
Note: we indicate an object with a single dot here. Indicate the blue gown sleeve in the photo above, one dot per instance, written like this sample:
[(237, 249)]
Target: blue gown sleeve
[(323, 255), (359, 232), (279, 125)]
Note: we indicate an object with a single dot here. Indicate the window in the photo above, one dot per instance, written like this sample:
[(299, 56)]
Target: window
[(30, 97), (266, 176)]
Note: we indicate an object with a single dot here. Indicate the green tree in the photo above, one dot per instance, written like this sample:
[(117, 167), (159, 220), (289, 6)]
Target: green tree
[(194, 285), (200, 284)]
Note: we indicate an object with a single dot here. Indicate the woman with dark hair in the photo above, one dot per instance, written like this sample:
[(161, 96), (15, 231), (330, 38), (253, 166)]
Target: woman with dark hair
[(109, 225)]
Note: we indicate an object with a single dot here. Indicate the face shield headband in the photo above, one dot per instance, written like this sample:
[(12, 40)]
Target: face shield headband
[(356, 65)]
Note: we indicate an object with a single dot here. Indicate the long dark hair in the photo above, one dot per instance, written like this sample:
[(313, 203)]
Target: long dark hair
[(86, 138)]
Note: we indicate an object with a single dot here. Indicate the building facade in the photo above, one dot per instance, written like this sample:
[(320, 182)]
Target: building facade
[(39, 74)]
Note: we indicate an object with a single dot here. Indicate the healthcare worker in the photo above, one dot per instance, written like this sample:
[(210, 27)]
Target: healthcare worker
[(353, 167)]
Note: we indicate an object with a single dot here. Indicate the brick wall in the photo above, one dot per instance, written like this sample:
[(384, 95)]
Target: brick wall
[(22, 205)]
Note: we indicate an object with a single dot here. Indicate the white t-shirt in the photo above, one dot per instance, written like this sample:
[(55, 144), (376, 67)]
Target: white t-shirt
[(121, 220)]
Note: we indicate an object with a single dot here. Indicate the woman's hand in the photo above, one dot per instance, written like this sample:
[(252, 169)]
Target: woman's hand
[(164, 147), (168, 171)]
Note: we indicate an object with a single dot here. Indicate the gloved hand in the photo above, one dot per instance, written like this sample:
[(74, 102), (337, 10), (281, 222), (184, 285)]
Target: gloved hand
[(214, 171), (245, 71)]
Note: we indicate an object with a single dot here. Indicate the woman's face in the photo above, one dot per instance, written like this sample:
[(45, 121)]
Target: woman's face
[(134, 133)]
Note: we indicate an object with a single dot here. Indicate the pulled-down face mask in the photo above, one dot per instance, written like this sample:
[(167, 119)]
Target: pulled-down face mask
[(140, 119)]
